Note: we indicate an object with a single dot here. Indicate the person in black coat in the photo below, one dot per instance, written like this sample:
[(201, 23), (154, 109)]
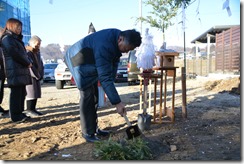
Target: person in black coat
[(17, 67), (2, 78), (37, 70)]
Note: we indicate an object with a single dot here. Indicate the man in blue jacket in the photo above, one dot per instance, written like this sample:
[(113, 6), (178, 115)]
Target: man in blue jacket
[(93, 58)]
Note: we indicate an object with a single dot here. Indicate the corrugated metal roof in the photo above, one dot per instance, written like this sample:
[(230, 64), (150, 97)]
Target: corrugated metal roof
[(212, 31)]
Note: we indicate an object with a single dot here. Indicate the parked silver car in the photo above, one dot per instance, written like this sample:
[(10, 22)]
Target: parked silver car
[(49, 72)]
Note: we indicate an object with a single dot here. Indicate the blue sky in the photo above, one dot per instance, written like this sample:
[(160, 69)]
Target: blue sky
[(67, 21)]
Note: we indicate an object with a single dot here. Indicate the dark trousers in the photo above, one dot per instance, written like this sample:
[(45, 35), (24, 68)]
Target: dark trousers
[(31, 104), (88, 109), (16, 101), (1, 90)]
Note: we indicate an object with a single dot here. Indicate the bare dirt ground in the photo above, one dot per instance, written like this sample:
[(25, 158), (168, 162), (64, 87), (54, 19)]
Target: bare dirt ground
[(211, 131)]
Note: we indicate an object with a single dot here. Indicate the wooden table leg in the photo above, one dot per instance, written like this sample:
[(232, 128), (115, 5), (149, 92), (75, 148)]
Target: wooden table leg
[(165, 93), (154, 101), (150, 95), (160, 103), (140, 94), (173, 99)]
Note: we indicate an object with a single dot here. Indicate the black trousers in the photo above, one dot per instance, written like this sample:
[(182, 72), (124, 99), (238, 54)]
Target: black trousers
[(88, 109), (16, 101), (1, 90)]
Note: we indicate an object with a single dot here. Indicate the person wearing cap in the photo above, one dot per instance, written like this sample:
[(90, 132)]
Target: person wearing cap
[(96, 57)]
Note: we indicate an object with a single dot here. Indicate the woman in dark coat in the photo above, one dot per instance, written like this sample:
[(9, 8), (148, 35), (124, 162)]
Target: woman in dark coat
[(2, 77), (37, 70), (17, 67)]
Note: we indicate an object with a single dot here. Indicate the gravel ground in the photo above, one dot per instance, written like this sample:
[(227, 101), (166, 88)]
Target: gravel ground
[(211, 131)]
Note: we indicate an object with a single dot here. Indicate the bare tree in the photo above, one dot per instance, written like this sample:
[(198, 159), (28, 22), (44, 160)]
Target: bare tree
[(161, 15)]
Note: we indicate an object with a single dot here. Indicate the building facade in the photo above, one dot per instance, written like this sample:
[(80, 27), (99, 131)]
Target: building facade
[(19, 9)]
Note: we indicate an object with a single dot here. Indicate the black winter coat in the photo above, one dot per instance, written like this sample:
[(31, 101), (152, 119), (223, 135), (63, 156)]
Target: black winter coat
[(2, 67), (16, 60)]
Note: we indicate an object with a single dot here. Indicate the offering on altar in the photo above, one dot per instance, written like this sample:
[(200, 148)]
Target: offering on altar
[(146, 53)]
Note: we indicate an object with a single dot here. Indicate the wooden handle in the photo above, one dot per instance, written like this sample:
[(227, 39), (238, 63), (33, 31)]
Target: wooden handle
[(145, 97), (127, 120)]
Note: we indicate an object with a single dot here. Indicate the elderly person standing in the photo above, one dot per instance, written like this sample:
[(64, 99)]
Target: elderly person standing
[(17, 67), (37, 70)]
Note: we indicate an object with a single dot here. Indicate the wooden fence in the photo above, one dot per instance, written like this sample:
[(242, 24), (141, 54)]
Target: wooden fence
[(196, 66), (228, 50), (226, 58)]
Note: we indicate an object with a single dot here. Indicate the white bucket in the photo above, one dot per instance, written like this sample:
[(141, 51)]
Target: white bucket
[(101, 97)]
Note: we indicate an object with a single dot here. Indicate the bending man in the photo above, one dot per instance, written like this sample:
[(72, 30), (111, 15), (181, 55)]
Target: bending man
[(93, 58)]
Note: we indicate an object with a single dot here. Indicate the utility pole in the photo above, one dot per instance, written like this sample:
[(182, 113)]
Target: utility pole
[(140, 13), (184, 26), (183, 69)]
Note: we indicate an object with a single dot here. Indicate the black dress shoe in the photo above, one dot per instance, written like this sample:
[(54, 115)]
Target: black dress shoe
[(25, 119), (102, 132), (2, 110), (21, 118), (90, 137), (4, 114)]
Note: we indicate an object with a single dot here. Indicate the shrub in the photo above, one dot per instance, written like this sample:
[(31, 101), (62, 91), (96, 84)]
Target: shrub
[(134, 149)]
